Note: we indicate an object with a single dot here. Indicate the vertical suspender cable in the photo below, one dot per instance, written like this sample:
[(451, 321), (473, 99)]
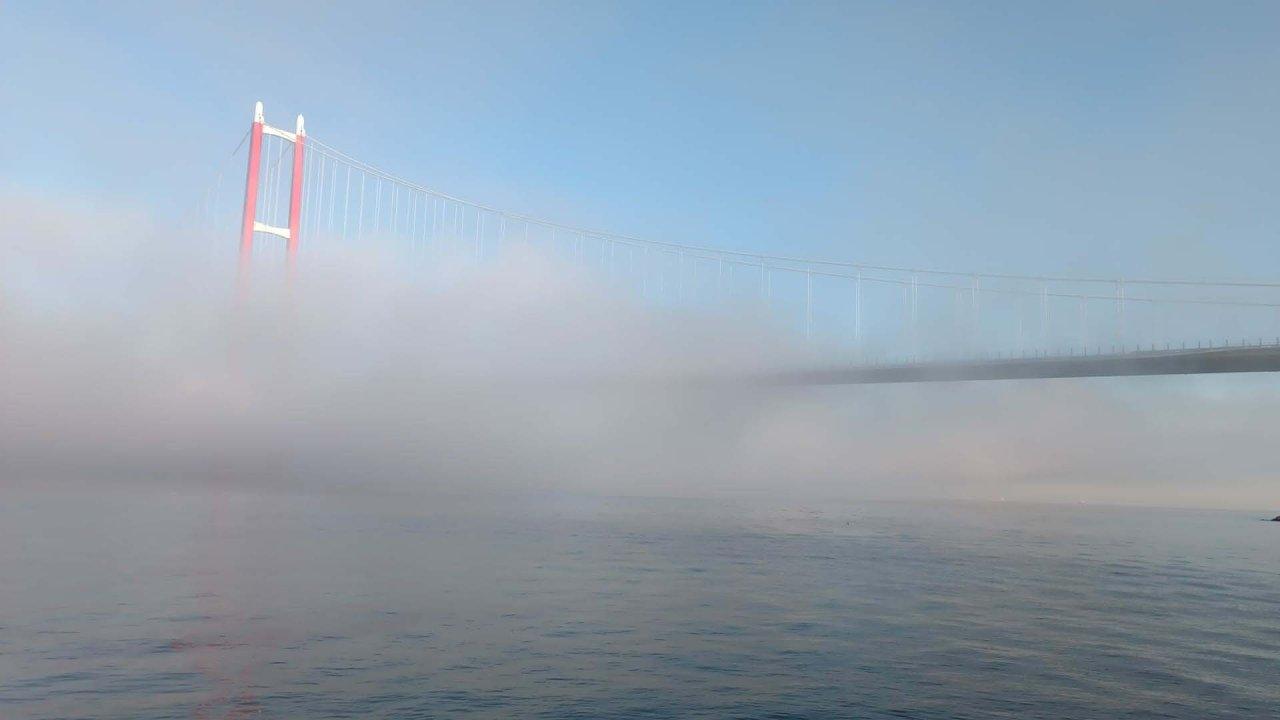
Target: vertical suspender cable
[(857, 311), (1120, 328), (360, 217), (1084, 328), (808, 304), (333, 200)]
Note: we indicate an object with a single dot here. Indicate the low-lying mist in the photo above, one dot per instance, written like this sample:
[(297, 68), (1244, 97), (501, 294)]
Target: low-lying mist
[(128, 357)]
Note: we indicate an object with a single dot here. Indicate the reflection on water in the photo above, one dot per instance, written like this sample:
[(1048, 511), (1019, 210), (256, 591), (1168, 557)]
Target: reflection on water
[(210, 605)]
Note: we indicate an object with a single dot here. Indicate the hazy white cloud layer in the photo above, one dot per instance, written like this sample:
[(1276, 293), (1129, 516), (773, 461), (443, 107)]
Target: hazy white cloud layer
[(126, 358)]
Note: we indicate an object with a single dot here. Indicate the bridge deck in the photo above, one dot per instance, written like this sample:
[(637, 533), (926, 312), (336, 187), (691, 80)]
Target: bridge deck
[(1175, 362)]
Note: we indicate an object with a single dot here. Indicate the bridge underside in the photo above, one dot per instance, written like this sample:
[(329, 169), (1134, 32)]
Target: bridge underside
[(1175, 362)]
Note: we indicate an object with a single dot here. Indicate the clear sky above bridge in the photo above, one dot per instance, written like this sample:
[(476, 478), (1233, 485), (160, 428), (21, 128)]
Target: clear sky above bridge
[(1138, 140)]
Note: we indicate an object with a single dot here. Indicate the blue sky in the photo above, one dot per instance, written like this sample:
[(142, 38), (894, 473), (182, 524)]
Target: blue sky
[(1134, 139)]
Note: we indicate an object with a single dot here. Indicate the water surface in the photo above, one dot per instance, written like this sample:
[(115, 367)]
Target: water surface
[(149, 604)]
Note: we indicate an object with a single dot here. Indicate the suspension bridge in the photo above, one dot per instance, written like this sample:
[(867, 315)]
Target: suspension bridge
[(874, 323)]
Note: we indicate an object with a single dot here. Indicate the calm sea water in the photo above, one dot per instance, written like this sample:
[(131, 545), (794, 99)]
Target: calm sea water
[(210, 605)]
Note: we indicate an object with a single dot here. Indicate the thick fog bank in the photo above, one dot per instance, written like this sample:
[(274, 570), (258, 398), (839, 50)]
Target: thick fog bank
[(127, 356)]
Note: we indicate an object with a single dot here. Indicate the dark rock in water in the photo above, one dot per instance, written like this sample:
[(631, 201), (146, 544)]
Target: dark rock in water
[(1276, 519)]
